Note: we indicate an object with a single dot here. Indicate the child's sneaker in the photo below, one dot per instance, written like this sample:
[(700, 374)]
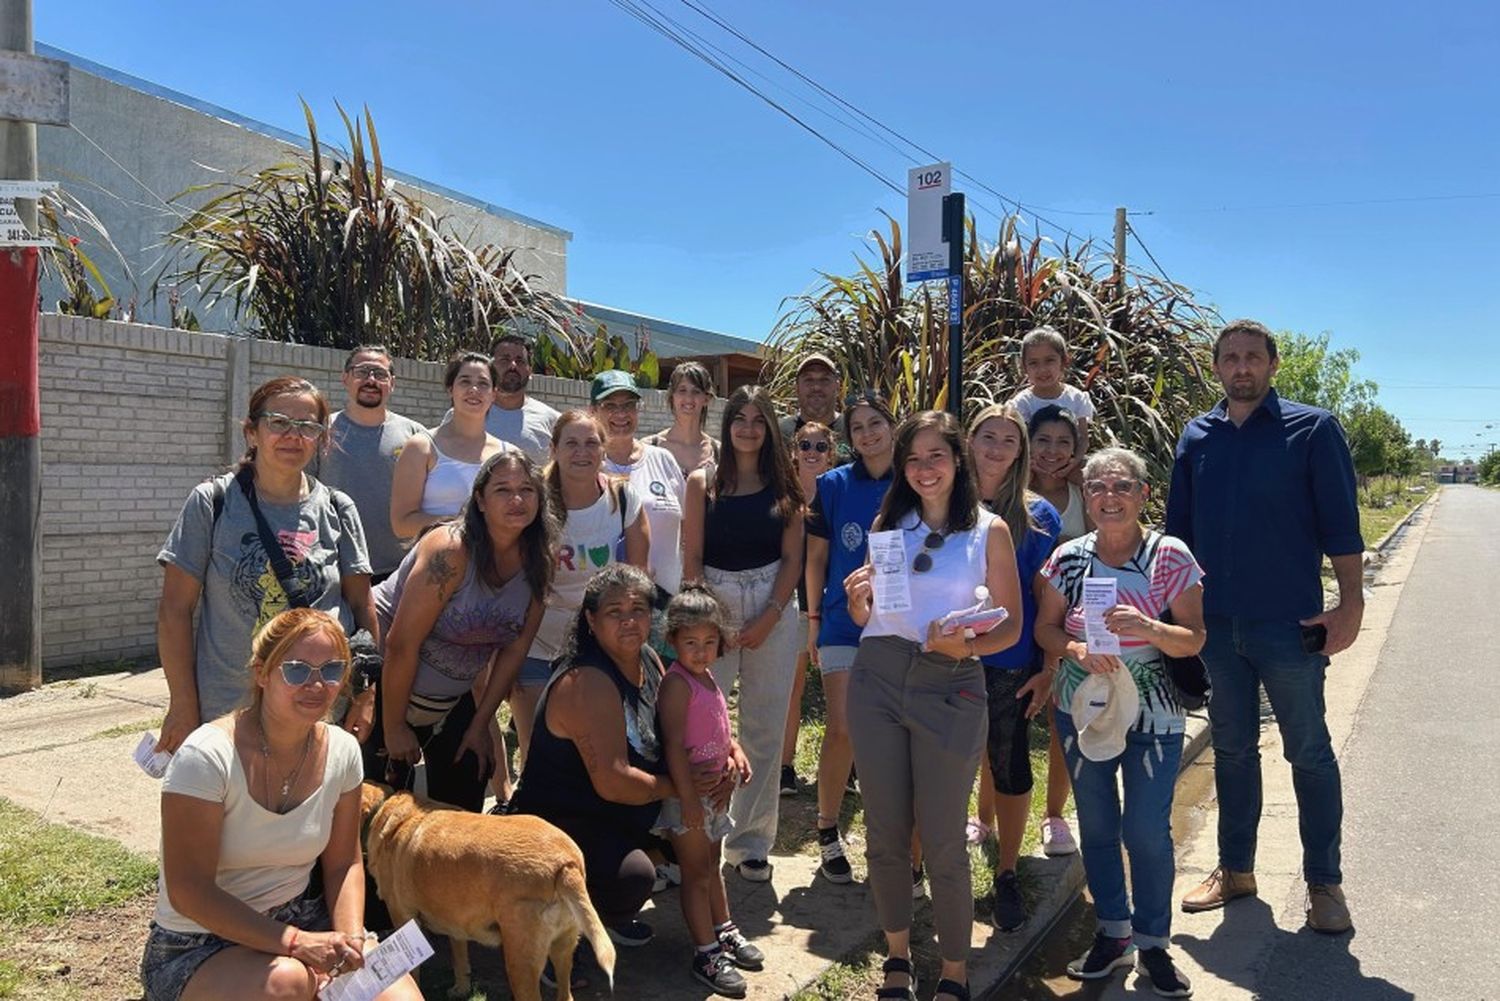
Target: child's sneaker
[(1156, 965), (834, 867), (668, 874), (1057, 838), (788, 780), (1105, 957), (715, 971), (739, 949)]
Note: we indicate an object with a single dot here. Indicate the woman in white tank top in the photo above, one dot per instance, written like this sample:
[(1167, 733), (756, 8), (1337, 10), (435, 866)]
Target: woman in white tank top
[(435, 471)]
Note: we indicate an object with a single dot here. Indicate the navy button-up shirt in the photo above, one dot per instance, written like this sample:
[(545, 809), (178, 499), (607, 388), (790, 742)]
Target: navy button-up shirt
[(1259, 504)]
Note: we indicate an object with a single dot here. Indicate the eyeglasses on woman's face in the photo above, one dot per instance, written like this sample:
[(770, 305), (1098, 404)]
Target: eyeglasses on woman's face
[(807, 445), (281, 424), (298, 672), (1118, 487)]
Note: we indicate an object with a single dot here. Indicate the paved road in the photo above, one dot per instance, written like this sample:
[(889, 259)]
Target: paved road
[(1414, 709)]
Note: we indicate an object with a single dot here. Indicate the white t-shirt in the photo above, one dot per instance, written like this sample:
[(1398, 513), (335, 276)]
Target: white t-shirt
[(659, 482), (264, 857), (959, 565), (588, 542), (1071, 399), (528, 427)]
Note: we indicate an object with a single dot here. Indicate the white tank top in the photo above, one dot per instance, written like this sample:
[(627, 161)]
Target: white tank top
[(958, 567), (448, 484)]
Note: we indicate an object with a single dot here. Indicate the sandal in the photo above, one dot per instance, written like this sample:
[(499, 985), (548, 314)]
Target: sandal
[(896, 964), (954, 989), (977, 832)]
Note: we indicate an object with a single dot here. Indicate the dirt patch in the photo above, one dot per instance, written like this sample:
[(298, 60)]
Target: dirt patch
[(93, 955)]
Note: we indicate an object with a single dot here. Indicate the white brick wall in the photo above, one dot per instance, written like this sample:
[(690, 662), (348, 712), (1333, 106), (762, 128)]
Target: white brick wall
[(132, 418)]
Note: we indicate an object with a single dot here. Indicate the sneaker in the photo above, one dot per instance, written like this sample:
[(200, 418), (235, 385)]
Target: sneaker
[(977, 832), (717, 973), (834, 867), (1010, 908), (918, 884), (667, 874), (788, 780), (740, 950), (1105, 957), (756, 870), (1156, 965), (1327, 911), (1057, 838), (1221, 886), (631, 935)]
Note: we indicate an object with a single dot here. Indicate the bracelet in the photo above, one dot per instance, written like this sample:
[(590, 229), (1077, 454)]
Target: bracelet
[(814, 616)]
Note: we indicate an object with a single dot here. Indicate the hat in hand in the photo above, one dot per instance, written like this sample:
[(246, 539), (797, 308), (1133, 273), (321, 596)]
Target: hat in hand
[(1103, 708)]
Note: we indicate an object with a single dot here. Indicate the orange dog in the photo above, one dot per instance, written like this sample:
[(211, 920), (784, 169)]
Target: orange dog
[(485, 879)]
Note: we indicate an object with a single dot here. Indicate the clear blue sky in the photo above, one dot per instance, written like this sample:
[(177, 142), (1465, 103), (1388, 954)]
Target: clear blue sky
[(1234, 126)]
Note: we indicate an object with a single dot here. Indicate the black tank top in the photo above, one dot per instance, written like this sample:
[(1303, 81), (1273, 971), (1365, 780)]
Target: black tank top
[(555, 784), (742, 533)]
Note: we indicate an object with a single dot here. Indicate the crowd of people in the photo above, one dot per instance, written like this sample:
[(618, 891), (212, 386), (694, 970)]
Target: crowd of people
[(368, 592)]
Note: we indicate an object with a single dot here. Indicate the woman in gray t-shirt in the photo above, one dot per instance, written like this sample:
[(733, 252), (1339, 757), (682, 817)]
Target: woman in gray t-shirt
[(215, 563)]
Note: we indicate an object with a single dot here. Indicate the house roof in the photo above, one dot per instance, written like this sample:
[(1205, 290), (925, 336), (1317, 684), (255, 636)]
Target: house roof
[(669, 339)]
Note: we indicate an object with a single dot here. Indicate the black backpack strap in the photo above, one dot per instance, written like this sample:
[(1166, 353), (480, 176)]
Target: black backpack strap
[(296, 592)]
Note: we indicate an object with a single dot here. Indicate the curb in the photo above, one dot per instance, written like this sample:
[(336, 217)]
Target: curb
[(1385, 540)]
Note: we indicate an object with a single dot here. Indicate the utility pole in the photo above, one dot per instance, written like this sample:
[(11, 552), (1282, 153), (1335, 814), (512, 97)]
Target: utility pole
[(20, 410), (1121, 228), (953, 231)]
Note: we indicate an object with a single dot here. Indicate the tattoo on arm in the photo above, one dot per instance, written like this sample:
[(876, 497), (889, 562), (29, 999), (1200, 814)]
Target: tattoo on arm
[(587, 752), (440, 571)]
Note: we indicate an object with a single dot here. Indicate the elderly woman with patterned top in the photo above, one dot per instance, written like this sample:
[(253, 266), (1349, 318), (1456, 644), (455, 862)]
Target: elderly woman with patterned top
[(689, 392), (594, 767), (249, 803), (1153, 573), (917, 704), (436, 470), (250, 544), (458, 616)]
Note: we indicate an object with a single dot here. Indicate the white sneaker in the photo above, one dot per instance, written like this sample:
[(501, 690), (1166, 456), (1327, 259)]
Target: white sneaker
[(667, 874), (1057, 838)]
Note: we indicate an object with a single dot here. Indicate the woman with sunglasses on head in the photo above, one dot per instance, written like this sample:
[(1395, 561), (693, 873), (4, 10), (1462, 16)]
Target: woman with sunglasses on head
[(217, 561), (689, 392), (812, 456), (1018, 689), (841, 511), (436, 470), (917, 705), (457, 618), (250, 802), (742, 534), (1153, 574)]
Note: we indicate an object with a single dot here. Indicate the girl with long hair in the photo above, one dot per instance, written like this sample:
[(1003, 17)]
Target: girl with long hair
[(689, 392), (249, 544), (916, 694), (742, 533)]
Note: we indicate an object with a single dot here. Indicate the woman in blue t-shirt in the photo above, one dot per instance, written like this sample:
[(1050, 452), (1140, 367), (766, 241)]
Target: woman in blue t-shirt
[(1016, 687), (842, 510)]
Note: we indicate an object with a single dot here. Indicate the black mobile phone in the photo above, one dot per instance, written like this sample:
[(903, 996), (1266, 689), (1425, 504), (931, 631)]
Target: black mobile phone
[(1314, 638)]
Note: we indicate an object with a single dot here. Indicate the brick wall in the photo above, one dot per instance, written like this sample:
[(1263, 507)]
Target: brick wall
[(132, 418)]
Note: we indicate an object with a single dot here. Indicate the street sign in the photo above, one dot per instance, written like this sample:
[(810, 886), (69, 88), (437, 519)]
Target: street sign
[(26, 189), (926, 250), (13, 232), (33, 89)]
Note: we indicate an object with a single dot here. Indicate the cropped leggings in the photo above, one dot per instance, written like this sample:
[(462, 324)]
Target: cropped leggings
[(917, 722)]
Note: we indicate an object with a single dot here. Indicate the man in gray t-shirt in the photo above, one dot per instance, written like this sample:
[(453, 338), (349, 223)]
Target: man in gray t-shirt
[(364, 440), (516, 418)]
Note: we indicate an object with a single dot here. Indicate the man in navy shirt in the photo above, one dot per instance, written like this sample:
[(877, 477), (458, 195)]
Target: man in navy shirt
[(1262, 489)]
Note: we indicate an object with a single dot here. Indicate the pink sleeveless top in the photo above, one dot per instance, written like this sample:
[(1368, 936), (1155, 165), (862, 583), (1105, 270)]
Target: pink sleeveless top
[(707, 731)]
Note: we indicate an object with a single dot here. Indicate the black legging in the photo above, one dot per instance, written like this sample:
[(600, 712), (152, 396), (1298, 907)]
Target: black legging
[(619, 872), (458, 784), (1009, 743)]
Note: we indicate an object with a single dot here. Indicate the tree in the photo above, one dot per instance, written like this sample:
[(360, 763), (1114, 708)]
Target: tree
[(1311, 373), (1378, 442), (1489, 469)]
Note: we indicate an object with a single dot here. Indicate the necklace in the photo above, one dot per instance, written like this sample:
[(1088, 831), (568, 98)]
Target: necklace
[(290, 778)]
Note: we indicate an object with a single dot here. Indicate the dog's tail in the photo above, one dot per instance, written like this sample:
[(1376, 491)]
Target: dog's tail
[(575, 894)]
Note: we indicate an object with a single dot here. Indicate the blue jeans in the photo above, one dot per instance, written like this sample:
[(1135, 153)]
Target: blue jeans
[(1242, 655), (1148, 767)]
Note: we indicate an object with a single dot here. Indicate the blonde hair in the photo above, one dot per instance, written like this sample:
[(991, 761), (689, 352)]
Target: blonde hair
[(1012, 500), (269, 647)]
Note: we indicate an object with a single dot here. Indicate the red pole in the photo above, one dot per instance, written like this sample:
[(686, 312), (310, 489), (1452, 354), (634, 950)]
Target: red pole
[(20, 473)]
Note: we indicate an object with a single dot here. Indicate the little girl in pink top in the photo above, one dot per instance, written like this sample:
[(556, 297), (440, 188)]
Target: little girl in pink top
[(693, 723)]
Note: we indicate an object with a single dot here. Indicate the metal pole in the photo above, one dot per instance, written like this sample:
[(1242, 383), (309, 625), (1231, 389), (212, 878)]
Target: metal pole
[(1121, 228), (20, 411), (953, 233)]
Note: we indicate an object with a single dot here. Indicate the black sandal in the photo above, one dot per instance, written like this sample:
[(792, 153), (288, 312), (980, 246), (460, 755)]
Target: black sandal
[(896, 964), (959, 992)]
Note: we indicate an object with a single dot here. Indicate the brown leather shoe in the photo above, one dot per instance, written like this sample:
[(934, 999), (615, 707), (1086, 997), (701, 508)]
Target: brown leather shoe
[(1327, 911), (1218, 889)]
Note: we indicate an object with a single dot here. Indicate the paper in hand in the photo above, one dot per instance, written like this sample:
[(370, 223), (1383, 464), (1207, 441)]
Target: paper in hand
[(153, 762), (890, 581), (403, 951), (1100, 594)]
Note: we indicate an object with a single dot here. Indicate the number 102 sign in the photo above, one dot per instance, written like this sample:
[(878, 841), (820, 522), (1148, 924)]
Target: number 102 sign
[(926, 250)]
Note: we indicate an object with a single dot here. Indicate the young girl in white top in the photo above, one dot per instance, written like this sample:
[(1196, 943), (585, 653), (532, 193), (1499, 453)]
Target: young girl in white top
[(917, 703)]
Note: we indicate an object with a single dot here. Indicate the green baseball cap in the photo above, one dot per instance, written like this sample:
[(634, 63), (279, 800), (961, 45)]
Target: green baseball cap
[(613, 381)]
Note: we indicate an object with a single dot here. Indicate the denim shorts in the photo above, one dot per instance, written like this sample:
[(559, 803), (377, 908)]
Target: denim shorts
[(172, 957), (535, 672), (836, 659)]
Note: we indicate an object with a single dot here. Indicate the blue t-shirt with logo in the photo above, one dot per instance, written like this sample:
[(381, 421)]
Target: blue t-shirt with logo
[(845, 505), (1031, 553)]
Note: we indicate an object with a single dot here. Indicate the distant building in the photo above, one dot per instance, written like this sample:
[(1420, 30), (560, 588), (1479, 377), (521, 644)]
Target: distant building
[(1465, 472)]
